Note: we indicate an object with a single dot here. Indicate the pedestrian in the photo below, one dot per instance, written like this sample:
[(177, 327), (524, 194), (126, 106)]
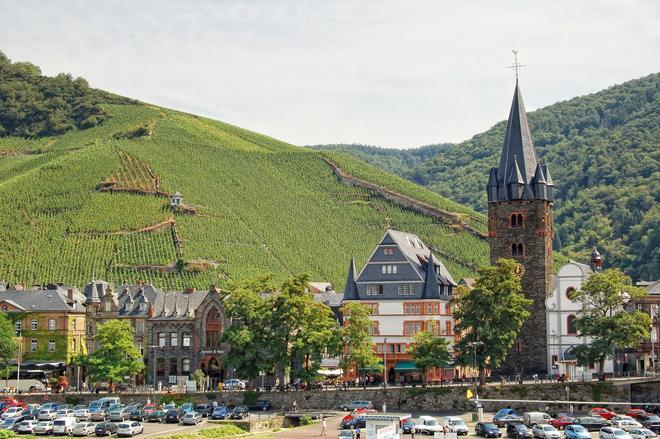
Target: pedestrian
[(384, 408), (324, 426), (357, 433), (294, 405), (445, 429), (412, 433), (148, 401)]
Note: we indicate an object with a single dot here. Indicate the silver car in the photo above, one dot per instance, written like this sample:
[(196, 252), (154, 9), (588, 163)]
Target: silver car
[(545, 431), (25, 427), (46, 415), (83, 429), (352, 405), (43, 427), (82, 414), (129, 428), (191, 418), (99, 415)]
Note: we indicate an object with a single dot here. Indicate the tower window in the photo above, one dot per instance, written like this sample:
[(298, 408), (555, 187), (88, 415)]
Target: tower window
[(516, 220), (571, 325), (517, 249)]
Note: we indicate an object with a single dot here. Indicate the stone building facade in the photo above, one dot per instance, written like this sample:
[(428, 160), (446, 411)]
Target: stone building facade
[(520, 226)]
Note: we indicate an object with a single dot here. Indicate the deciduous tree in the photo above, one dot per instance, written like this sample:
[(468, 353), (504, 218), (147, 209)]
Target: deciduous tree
[(8, 344), (429, 351), (356, 338)]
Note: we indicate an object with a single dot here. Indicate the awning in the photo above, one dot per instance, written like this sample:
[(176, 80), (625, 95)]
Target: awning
[(330, 372), (378, 368), (41, 364), (405, 366)]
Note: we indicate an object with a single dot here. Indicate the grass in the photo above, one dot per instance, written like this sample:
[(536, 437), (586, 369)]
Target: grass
[(263, 206)]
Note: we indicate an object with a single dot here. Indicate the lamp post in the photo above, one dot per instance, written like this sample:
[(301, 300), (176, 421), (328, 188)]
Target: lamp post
[(654, 309), (153, 366), (18, 360), (480, 413), (385, 362)]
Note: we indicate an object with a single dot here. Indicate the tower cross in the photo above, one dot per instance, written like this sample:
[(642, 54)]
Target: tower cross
[(516, 66)]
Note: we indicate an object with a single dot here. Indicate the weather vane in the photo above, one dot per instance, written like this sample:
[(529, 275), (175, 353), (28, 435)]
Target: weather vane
[(516, 65)]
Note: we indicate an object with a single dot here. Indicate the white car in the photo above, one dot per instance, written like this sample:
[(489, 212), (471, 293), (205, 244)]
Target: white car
[(129, 428), (427, 425), (233, 384), (12, 412), (642, 433), (46, 414), (64, 425), (64, 413), (25, 427), (613, 433), (82, 414), (83, 429), (43, 427), (545, 431), (626, 424), (349, 406), (191, 418), (457, 425)]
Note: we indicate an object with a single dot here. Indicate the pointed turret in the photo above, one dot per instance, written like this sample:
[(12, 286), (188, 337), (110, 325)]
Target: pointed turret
[(431, 280), (596, 260), (492, 186), (350, 290), (516, 182), (540, 184), (189, 312), (549, 183)]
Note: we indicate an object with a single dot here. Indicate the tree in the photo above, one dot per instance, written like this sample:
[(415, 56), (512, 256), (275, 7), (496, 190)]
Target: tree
[(199, 378), (116, 356), (356, 338), (8, 344), (602, 317), (429, 351), (490, 316)]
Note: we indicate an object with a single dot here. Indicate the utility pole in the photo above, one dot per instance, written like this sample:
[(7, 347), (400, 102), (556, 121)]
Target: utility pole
[(653, 311), (385, 362), (18, 360)]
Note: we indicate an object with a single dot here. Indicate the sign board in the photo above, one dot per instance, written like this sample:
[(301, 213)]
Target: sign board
[(191, 386), (387, 433)]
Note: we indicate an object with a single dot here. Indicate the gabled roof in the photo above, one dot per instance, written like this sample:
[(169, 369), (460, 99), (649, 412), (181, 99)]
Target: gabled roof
[(39, 300), (518, 142), (177, 305)]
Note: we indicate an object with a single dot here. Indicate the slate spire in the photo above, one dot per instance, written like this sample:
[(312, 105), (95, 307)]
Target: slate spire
[(431, 281), (350, 290)]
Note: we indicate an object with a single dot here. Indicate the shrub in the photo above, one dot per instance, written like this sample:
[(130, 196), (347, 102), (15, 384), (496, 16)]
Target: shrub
[(306, 420), (4, 434), (223, 431)]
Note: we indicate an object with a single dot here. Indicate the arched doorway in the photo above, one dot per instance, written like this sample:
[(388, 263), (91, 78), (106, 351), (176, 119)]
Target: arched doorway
[(215, 372)]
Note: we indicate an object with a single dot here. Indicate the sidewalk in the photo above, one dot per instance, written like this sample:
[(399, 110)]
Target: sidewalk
[(312, 431)]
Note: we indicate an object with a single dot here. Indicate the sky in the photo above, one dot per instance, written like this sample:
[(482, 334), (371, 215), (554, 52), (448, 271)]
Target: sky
[(390, 73)]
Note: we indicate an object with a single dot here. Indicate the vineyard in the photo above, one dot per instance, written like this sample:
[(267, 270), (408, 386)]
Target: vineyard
[(264, 206)]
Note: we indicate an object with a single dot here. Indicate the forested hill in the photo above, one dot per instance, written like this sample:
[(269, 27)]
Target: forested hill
[(604, 154), (89, 198)]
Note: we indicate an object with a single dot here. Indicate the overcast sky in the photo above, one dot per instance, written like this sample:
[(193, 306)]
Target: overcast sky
[(390, 73)]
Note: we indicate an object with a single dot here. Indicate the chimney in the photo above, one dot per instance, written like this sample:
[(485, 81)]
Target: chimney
[(213, 288), (189, 290), (69, 294)]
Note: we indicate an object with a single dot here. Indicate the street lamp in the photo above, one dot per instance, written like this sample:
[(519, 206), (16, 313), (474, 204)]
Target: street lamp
[(654, 309), (18, 360), (153, 365), (385, 362), (480, 412)]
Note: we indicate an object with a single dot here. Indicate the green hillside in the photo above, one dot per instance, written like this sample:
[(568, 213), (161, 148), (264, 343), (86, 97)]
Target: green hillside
[(604, 154), (92, 202)]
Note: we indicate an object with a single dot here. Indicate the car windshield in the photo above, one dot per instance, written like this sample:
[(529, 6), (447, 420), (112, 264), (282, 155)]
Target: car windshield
[(458, 422), (7, 422), (124, 426), (490, 426), (431, 422), (579, 428)]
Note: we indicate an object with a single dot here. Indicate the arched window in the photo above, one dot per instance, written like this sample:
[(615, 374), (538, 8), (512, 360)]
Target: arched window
[(517, 249), (213, 329), (571, 325)]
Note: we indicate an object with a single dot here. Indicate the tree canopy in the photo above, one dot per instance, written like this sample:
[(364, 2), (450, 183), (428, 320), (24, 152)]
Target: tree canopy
[(356, 339), (430, 350), (490, 316), (8, 344)]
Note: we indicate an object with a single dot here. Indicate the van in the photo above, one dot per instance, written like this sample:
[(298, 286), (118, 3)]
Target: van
[(24, 385), (64, 425), (532, 418)]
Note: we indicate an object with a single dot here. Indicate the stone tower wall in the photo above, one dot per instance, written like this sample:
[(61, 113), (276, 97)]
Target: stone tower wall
[(529, 352)]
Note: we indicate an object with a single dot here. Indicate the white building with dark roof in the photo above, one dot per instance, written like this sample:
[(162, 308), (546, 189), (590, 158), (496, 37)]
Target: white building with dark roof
[(408, 290)]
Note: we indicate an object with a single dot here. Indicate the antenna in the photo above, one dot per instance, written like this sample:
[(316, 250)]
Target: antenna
[(516, 66)]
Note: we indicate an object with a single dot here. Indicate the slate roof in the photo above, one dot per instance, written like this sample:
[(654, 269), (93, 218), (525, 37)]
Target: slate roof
[(332, 299), (177, 305), (40, 300), (350, 290)]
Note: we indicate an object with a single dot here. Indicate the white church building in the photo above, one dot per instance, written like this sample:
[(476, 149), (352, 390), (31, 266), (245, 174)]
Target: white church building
[(561, 314)]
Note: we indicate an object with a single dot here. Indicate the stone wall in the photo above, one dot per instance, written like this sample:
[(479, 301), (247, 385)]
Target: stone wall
[(434, 399)]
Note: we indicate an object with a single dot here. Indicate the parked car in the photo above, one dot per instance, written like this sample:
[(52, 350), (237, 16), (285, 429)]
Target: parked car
[(518, 431), (576, 431), (505, 420), (562, 422), (119, 414), (49, 406), (626, 424), (204, 409), (9, 423), (532, 418), (652, 422), (545, 431), (82, 414), (634, 413), (261, 404), (346, 434), (156, 416), (352, 405), (457, 425), (191, 418), (99, 415), (239, 412), (186, 408), (129, 428), (64, 413), (12, 412), (105, 429), (233, 384), (591, 423), (602, 412), (83, 429), (487, 429), (407, 427), (136, 415), (642, 433), (358, 421), (25, 427), (46, 414), (43, 428), (220, 412), (148, 408), (504, 412), (427, 425), (169, 406), (613, 433), (64, 426), (172, 417)]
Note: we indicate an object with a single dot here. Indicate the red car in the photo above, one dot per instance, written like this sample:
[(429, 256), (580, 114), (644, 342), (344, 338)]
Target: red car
[(562, 422), (636, 413), (149, 408), (603, 413), (351, 415), (5, 403)]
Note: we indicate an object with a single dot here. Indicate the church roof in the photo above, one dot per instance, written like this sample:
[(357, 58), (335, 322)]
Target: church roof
[(518, 142), (350, 290)]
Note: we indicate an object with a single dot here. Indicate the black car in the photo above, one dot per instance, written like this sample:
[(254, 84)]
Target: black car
[(487, 429), (105, 429), (172, 417), (204, 409), (239, 412), (652, 422), (260, 404), (357, 421), (137, 415), (504, 421), (592, 423), (156, 416), (518, 431)]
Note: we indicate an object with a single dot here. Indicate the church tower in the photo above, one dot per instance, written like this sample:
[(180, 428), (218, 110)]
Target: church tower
[(520, 197)]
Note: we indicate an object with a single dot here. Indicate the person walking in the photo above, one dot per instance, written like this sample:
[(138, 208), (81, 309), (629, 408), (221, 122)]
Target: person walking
[(294, 405), (357, 433), (324, 427)]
